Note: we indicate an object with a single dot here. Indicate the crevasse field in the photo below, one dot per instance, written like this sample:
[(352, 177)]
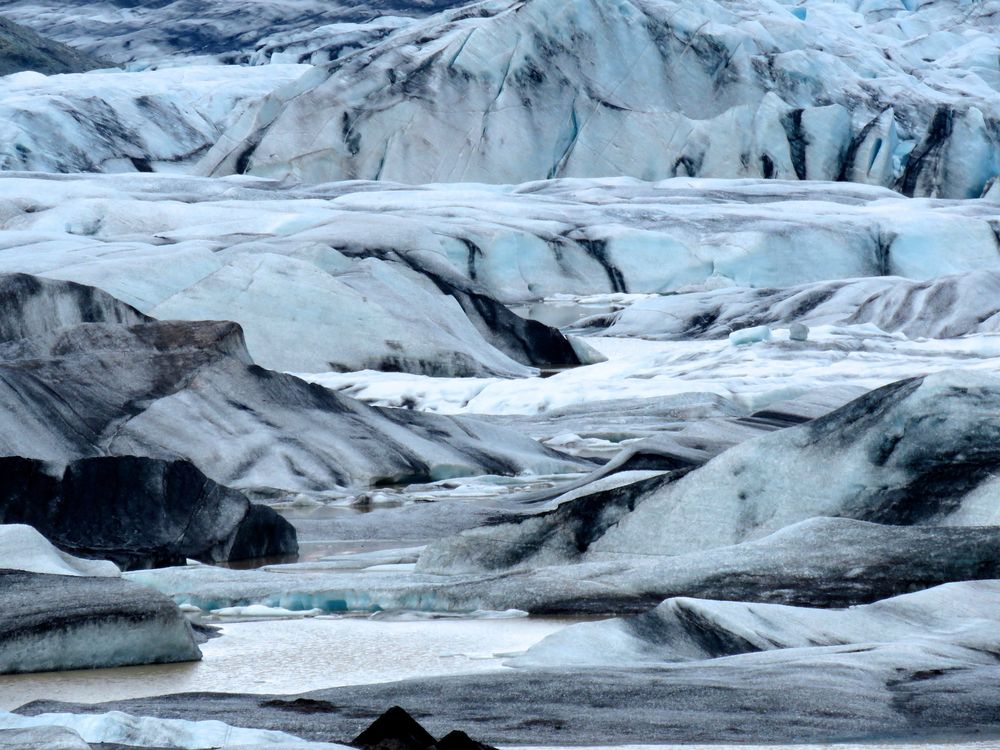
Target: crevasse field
[(522, 374)]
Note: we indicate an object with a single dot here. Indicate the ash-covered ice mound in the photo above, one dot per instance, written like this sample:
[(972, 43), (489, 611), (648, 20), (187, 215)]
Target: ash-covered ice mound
[(62, 612), (917, 452), (174, 389), (52, 622), (22, 49), (955, 615), (35, 306), (941, 307)]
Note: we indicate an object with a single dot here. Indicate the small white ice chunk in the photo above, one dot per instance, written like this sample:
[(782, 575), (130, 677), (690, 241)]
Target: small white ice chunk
[(798, 332)]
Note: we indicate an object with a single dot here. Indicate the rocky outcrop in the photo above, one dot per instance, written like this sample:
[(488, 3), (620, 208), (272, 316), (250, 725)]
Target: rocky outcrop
[(22, 49), (139, 512)]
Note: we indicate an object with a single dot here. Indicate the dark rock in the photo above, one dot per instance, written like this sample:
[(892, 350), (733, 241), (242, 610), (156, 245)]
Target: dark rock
[(394, 730), (302, 705), (22, 49), (139, 512), (459, 740)]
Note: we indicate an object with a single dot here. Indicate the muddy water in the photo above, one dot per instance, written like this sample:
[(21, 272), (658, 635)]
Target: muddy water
[(295, 656)]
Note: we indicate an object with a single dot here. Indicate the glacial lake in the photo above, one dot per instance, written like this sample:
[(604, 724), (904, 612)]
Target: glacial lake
[(295, 656)]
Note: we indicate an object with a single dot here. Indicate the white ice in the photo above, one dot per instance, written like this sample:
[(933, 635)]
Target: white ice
[(23, 548), (146, 731)]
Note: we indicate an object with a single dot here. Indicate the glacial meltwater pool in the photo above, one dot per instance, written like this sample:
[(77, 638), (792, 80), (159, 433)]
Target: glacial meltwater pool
[(295, 656)]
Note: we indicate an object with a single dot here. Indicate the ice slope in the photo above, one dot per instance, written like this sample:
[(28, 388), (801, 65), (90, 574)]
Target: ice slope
[(275, 261), (58, 622), (117, 121), (914, 452), (180, 30), (506, 91), (169, 390), (942, 307), (954, 616), (23, 548)]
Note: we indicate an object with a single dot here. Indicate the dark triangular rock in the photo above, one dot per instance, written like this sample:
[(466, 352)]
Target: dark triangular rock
[(458, 740), (394, 730)]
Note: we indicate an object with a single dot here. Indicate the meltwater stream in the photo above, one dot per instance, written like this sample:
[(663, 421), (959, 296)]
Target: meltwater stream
[(295, 656)]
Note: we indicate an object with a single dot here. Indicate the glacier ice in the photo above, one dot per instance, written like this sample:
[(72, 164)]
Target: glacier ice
[(24, 548), (42, 738), (943, 307), (956, 616), (515, 91), (819, 562), (754, 335), (117, 121), (147, 731), (59, 622), (189, 389), (188, 31)]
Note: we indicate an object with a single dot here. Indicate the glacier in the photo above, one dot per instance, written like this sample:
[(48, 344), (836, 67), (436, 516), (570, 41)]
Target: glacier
[(115, 121), (507, 92), (675, 321)]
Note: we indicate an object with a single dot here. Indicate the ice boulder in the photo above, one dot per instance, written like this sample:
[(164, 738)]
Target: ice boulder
[(139, 512), (755, 335), (42, 738), (798, 332), (56, 622)]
